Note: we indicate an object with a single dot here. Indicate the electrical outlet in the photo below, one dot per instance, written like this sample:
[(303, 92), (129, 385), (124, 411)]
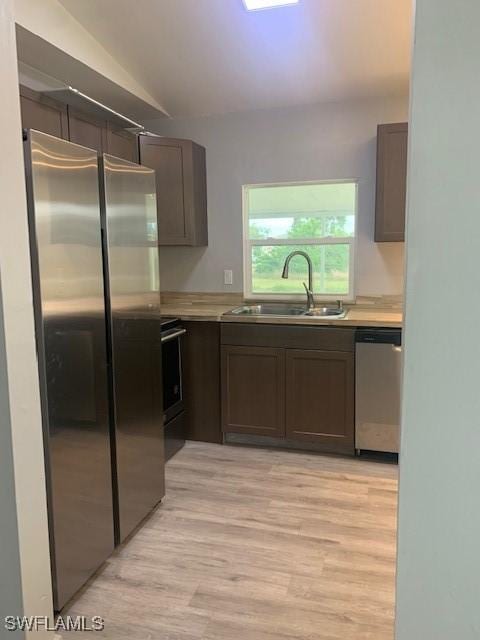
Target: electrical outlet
[(228, 276)]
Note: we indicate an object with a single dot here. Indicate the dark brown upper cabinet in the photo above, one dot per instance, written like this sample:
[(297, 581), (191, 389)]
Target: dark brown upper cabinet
[(121, 143), (391, 182), (51, 116), (181, 189), (43, 113), (102, 135), (87, 130)]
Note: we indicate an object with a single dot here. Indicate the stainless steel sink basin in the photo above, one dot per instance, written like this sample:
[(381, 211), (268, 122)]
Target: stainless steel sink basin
[(285, 310), (268, 309), (327, 312)]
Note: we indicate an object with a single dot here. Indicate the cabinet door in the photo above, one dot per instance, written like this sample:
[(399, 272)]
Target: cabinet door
[(122, 144), (196, 169), (320, 398), (180, 171), (167, 160), (87, 130), (43, 114), (201, 376), (253, 390), (391, 182)]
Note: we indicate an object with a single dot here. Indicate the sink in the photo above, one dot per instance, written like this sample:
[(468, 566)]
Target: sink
[(267, 309), (285, 310), (327, 312)]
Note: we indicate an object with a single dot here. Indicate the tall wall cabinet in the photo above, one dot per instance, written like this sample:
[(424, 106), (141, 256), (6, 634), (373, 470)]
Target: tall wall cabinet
[(391, 182), (181, 189)]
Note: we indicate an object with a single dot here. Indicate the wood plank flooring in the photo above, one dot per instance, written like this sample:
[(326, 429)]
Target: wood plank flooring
[(255, 544)]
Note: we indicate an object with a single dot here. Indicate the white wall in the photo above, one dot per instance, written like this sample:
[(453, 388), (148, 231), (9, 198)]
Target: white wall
[(328, 141), (49, 20), (439, 517), (24, 554)]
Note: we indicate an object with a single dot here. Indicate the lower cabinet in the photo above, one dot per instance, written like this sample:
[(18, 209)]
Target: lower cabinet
[(253, 382), (294, 383), (201, 378), (320, 398)]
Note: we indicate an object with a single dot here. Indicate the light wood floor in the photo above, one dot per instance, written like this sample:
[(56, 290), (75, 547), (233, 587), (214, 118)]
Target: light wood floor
[(254, 544)]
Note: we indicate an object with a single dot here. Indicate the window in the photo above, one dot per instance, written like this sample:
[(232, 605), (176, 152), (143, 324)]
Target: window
[(318, 218)]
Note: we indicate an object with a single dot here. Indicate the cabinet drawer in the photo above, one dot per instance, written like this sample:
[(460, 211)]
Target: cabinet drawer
[(289, 337)]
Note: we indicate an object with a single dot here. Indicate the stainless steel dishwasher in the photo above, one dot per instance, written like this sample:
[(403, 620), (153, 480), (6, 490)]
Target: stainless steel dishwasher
[(378, 361)]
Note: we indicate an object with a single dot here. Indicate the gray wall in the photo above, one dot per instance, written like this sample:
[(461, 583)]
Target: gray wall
[(439, 519), (328, 141), (25, 582), (11, 601)]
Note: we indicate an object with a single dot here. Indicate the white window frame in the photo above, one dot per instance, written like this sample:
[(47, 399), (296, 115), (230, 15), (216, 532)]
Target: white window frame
[(248, 244)]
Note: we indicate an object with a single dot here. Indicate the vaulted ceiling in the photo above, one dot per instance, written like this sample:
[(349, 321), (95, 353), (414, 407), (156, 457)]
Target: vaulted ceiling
[(199, 57)]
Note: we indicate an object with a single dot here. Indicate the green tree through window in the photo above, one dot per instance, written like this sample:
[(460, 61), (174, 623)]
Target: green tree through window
[(318, 223)]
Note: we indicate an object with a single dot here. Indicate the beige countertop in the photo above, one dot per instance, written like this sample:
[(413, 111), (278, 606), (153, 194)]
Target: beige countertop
[(212, 307), (356, 316), (198, 311)]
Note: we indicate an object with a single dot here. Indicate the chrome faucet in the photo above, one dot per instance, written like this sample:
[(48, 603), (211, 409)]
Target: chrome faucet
[(309, 289)]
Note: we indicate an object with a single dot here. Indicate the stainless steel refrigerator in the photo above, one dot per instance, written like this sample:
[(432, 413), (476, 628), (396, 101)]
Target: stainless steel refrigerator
[(68, 285), (96, 303), (129, 221)]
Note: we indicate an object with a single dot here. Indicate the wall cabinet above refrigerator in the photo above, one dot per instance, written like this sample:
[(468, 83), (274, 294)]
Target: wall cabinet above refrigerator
[(122, 143), (87, 130), (43, 113), (181, 177), (48, 115)]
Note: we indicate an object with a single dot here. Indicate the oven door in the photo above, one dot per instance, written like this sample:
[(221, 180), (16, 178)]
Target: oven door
[(173, 401)]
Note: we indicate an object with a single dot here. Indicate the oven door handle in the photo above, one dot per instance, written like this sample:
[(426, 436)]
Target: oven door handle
[(171, 336)]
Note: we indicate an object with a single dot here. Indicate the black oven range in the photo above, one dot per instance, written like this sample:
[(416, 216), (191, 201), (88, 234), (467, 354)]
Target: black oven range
[(172, 334)]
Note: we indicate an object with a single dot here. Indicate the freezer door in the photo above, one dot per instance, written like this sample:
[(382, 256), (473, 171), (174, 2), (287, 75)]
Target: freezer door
[(67, 271), (131, 262)]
